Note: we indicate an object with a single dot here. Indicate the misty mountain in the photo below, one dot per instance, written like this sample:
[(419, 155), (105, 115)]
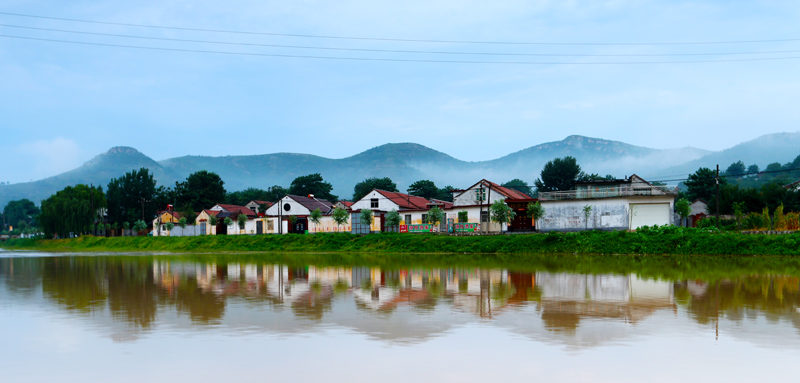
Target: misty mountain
[(408, 162), (762, 151)]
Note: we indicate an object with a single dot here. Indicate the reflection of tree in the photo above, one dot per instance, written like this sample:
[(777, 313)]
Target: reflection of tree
[(75, 282), (21, 275), (201, 306), (775, 296), (314, 303), (132, 291)]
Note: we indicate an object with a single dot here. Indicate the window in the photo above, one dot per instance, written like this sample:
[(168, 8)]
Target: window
[(424, 218), (484, 216), (373, 203), (287, 207), (203, 228), (480, 194), (270, 225), (408, 219)]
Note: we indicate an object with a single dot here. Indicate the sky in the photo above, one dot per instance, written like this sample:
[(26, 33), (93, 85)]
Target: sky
[(593, 68)]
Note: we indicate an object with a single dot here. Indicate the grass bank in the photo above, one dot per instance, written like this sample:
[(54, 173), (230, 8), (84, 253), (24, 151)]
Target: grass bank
[(657, 241)]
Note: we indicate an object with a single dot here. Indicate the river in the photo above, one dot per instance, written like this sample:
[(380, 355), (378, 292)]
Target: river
[(70, 317)]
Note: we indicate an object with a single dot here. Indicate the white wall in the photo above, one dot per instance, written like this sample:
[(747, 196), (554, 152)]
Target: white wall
[(295, 208), (606, 214), (469, 196), (384, 204)]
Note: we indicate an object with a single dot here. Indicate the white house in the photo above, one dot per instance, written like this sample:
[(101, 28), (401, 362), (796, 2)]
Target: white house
[(412, 209), (620, 204), (476, 200), (293, 212), (251, 226)]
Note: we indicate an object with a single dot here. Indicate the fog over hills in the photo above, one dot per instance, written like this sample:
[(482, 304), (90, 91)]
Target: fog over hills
[(405, 163)]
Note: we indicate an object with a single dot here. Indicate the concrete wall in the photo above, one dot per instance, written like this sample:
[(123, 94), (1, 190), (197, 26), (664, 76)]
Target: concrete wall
[(607, 214)]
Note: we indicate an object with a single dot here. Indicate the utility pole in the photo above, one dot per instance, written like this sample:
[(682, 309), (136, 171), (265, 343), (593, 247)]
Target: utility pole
[(718, 201)]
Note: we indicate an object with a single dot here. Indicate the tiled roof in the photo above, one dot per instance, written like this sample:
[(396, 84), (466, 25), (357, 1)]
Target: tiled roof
[(211, 212), (443, 204), (507, 192), (235, 210), (312, 204), (347, 203), (405, 201), (262, 203)]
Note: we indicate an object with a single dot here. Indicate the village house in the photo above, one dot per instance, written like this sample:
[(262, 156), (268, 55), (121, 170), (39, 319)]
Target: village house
[(412, 209), (476, 200), (162, 218), (699, 210), (619, 204), (293, 213), (251, 226), (202, 222), (256, 205)]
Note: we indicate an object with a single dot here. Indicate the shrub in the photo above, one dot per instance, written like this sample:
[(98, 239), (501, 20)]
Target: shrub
[(779, 219), (792, 221), (767, 223), (753, 221)]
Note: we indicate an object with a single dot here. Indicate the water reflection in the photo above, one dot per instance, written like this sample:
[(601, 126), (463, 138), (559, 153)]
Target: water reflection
[(130, 296)]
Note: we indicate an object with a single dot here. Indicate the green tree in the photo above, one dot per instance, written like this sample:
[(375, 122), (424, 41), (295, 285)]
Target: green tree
[(736, 169), (312, 184), (587, 212), (129, 194), (766, 219), (435, 215), (228, 222), (518, 185), (366, 217), (702, 184), (558, 175), (21, 210), (446, 193), (425, 189), (683, 208), (182, 223), (139, 225), (201, 190), (72, 210), (316, 217), (242, 220), (364, 187), (169, 226), (125, 226), (738, 211), (242, 197), (463, 216), (535, 211), (340, 216), (393, 218), (753, 169), (500, 212)]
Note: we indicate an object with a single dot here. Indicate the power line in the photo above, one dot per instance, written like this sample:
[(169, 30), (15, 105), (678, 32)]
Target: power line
[(399, 39), (732, 175), (392, 50), (399, 59)]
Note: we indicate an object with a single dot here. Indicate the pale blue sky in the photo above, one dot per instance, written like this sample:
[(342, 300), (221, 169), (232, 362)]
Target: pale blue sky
[(61, 104)]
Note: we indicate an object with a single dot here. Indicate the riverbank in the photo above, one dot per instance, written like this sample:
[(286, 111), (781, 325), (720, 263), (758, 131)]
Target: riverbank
[(660, 241)]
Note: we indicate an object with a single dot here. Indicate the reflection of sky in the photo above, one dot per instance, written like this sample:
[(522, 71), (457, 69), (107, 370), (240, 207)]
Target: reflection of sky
[(614, 339)]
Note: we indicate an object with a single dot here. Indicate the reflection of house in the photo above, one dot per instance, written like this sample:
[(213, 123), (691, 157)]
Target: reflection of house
[(476, 200), (621, 204)]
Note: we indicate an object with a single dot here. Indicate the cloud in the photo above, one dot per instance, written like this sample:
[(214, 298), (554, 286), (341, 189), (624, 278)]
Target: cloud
[(49, 157)]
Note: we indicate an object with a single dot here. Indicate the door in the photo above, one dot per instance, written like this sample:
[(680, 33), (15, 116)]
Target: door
[(649, 214), (259, 227)]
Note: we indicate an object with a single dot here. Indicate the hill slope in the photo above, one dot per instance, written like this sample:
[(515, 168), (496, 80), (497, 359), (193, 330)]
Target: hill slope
[(402, 162)]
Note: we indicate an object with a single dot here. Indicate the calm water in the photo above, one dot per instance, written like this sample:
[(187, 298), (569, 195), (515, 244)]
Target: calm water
[(113, 318)]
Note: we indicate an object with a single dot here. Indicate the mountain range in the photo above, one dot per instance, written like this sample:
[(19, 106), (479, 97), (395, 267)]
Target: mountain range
[(405, 163)]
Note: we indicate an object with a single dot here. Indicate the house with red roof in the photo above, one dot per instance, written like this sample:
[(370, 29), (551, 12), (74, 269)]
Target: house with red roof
[(292, 214), (253, 225), (412, 209), (255, 205), (476, 199)]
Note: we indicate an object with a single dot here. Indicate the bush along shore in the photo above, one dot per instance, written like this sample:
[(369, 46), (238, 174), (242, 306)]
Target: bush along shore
[(651, 241)]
